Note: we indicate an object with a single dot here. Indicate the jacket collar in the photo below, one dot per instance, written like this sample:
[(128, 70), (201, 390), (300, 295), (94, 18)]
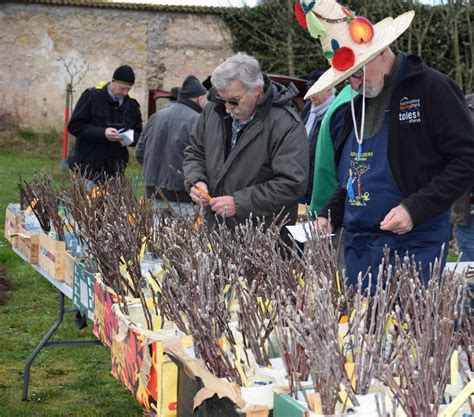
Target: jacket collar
[(263, 105), (105, 91), (187, 102)]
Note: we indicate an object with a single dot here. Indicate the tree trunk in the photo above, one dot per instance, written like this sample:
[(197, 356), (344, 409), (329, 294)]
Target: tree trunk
[(410, 31), (470, 60), (290, 46), (455, 43)]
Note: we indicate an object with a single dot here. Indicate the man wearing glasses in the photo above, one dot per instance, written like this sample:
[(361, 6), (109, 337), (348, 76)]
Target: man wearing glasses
[(248, 154), (405, 151), (98, 122)]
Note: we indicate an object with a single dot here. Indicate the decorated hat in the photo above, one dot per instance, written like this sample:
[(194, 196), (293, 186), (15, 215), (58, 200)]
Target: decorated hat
[(348, 41)]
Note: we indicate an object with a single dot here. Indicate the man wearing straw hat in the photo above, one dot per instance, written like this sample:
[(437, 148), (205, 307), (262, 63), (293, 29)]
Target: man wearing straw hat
[(406, 148)]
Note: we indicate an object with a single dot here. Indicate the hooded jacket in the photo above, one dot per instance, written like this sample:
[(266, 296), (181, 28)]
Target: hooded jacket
[(430, 143), (94, 112), (268, 168)]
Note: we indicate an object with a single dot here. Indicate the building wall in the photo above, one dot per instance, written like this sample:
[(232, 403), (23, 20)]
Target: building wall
[(43, 47)]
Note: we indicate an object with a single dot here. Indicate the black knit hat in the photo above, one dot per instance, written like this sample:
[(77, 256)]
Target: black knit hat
[(313, 76), (124, 74), (192, 88)]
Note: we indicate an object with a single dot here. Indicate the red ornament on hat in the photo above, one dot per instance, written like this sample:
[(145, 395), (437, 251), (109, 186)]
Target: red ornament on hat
[(300, 16), (361, 30), (343, 59)]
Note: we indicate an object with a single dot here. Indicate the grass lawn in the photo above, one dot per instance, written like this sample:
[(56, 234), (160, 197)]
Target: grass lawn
[(64, 381)]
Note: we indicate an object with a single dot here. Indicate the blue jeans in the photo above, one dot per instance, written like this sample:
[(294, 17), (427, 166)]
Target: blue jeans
[(465, 238)]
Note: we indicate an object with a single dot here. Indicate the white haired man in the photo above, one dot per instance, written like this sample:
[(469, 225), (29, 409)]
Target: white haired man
[(249, 150)]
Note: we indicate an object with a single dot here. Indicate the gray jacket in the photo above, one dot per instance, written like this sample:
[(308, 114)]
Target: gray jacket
[(161, 145), (268, 168)]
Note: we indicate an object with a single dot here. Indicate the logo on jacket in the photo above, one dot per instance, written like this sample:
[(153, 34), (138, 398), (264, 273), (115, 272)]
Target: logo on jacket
[(410, 111)]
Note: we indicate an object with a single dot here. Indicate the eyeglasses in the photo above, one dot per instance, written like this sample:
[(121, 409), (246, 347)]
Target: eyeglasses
[(358, 74), (235, 101)]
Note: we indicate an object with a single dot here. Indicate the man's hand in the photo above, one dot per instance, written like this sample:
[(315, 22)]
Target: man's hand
[(224, 206), (398, 221), (322, 224), (112, 134), (200, 193)]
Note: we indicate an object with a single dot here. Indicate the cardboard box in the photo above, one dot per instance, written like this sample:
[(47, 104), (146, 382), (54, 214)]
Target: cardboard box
[(140, 364), (51, 256), (105, 320), (202, 394), (13, 218), (69, 263), (28, 244)]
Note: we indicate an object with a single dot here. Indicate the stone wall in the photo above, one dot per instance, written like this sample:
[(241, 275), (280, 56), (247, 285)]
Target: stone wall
[(43, 46)]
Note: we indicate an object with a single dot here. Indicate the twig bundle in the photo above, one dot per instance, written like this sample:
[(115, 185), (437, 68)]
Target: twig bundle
[(368, 313), (425, 337), (44, 200), (114, 226), (193, 294), (309, 305)]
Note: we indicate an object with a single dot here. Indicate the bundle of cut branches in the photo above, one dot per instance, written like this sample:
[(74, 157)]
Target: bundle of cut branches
[(114, 226), (424, 338), (368, 313), (308, 303), (234, 288), (193, 293), (467, 330), (43, 199), (314, 325)]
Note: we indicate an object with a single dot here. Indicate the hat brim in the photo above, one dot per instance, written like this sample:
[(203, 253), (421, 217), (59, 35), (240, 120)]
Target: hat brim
[(386, 32), (122, 82)]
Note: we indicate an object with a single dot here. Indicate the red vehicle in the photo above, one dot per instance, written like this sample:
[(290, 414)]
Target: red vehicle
[(158, 99)]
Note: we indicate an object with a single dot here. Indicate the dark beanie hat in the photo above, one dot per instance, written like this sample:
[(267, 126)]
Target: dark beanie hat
[(313, 76), (192, 88), (124, 74)]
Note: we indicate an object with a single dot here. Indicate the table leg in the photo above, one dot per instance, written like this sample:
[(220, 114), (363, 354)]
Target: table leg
[(45, 342)]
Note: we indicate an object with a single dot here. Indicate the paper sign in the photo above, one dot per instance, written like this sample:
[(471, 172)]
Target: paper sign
[(301, 232), (127, 137)]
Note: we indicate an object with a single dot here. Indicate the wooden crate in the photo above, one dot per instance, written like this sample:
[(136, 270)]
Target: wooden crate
[(69, 263), (13, 218), (51, 256), (28, 244)]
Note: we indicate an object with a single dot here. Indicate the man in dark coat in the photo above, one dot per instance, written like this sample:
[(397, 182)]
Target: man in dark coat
[(404, 153), (98, 122), (249, 150)]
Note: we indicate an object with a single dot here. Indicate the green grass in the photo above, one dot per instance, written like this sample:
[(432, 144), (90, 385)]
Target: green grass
[(64, 381)]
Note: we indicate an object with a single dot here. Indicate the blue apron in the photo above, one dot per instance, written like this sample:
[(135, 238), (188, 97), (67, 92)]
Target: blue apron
[(371, 193)]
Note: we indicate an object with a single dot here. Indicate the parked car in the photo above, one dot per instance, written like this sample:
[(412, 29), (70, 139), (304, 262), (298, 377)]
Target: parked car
[(159, 99)]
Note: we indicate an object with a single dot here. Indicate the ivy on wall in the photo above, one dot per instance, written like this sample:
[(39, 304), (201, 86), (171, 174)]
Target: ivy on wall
[(441, 34)]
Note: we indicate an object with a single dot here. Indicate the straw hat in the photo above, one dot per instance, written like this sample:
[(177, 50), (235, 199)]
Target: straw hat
[(348, 41)]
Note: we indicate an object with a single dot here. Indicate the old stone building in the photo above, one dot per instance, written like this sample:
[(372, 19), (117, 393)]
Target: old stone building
[(45, 44)]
